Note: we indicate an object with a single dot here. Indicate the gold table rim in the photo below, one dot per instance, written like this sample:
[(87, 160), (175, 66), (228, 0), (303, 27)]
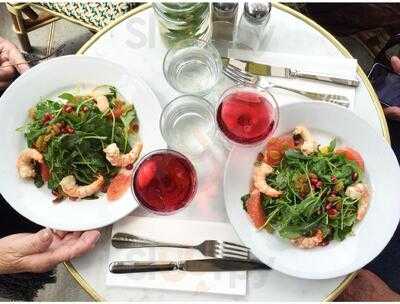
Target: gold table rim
[(338, 290)]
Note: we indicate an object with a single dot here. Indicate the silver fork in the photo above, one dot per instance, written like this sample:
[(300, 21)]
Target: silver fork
[(244, 77), (210, 248)]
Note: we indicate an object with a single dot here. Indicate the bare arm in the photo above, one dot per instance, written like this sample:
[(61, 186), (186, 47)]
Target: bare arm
[(368, 287)]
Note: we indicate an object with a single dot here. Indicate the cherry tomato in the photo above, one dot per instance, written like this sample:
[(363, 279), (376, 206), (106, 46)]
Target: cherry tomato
[(351, 154), (276, 148)]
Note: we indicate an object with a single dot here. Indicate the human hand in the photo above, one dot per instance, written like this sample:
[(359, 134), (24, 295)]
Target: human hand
[(393, 113), (367, 286), (9, 54), (42, 251)]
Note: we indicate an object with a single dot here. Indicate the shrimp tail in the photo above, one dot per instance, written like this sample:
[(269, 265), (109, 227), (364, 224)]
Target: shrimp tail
[(25, 162), (261, 171), (70, 187)]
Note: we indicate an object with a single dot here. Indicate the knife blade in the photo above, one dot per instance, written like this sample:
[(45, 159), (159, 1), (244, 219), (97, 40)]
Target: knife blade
[(262, 69), (187, 265)]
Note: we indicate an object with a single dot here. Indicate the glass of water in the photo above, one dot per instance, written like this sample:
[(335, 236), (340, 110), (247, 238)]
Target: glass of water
[(192, 66), (187, 125)]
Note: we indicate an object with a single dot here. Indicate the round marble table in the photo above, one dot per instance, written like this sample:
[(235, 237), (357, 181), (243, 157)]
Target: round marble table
[(134, 42)]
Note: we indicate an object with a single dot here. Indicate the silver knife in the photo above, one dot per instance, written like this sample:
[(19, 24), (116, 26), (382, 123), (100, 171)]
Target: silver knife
[(188, 265), (262, 69)]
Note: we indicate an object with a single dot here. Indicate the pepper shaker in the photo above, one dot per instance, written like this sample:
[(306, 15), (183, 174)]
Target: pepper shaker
[(223, 20), (252, 26)]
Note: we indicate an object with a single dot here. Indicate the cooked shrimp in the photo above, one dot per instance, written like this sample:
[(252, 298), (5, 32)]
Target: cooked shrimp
[(309, 145), (117, 159), (260, 173), (25, 162), (309, 242), (70, 188), (101, 102), (359, 192)]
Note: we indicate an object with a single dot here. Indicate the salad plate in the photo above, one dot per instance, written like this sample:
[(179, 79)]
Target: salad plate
[(47, 81), (368, 236)]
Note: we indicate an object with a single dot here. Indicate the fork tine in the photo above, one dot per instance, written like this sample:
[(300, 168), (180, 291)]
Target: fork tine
[(221, 253), (236, 245), (235, 256), (225, 250), (230, 254), (241, 73), (235, 77)]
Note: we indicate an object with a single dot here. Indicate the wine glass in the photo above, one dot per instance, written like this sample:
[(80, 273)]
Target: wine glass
[(247, 115), (164, 181)]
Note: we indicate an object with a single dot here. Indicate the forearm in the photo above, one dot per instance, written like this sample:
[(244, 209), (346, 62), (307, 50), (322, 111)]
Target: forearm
[(368, 287)]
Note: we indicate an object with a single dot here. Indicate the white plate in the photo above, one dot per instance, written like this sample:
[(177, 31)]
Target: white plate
[(370, 235), (48, 79)]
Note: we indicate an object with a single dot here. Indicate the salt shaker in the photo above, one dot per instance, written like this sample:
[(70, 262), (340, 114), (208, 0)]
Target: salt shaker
[(223, 20), (252, 26)]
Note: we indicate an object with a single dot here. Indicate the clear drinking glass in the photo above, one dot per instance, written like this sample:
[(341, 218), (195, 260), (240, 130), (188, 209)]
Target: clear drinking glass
[(187, 124), (192, 67)]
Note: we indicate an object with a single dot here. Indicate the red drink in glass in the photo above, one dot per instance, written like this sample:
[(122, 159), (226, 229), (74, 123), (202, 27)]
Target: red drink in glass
[(164, 181), (247, 115)]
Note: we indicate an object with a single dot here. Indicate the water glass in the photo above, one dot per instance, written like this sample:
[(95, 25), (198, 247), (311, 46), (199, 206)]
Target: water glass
[(192, 67), (187, 124)]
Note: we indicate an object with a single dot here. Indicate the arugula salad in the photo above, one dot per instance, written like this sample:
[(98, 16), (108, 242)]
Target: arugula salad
[(306, 193), (79, 143)]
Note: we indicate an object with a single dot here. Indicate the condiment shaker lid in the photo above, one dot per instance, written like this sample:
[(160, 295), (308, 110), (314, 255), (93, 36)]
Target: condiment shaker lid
[(257, 12)]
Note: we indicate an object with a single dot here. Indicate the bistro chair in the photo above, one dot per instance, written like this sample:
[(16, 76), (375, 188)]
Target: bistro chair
[(28, 17)]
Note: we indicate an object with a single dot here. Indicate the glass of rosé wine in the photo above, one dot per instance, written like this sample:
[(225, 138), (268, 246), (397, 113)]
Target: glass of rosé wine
[(247, 115), (164, 181)]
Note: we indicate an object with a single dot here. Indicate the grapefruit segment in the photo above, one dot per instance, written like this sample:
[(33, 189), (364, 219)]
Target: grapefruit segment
[(276, 148), (351, 154), (118, 186), (255, 210)]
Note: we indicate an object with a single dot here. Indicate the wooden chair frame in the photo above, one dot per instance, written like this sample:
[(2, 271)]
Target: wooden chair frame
[(27, 17)]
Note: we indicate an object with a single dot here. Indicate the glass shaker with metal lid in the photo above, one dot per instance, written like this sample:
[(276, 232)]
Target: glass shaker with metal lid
[(252, 26), (183, 20), (223, 20)]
